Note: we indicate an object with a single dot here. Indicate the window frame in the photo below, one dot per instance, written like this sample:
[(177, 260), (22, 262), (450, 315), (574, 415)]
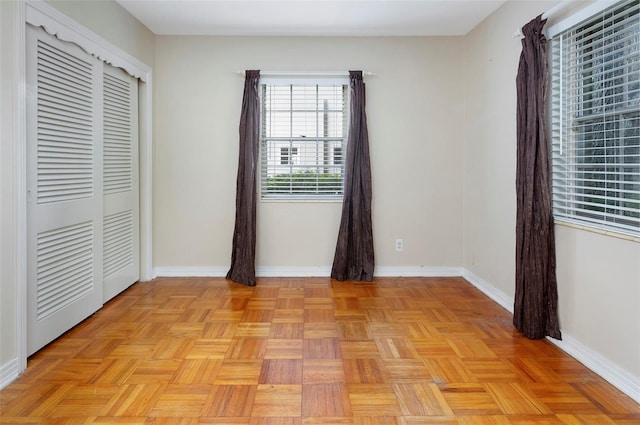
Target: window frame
[(587, 144), (296, 151)]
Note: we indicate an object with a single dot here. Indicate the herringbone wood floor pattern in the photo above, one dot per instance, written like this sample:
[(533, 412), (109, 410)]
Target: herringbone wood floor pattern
[(308, 351)]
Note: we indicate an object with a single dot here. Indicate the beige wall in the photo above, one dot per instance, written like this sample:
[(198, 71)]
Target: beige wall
[(599, 292), (113, 23), (598, 276), (415, 110)]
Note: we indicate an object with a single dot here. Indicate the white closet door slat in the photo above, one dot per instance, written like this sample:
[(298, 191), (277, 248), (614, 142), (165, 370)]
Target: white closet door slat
[(120, 183), (64, 183), (56, 115), (65, 267), (118, 126)]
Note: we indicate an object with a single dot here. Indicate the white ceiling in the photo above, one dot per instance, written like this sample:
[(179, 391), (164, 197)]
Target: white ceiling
[(311, 17)]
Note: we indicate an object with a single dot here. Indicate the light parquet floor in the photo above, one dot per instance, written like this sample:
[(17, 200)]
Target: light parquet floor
[(307, 351)]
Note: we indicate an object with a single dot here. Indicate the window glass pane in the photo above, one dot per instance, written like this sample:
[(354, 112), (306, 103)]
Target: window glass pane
[(595, 91), (302, 139)]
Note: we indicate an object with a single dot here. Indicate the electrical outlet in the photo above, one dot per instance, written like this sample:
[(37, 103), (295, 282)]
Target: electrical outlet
[(399, 244)]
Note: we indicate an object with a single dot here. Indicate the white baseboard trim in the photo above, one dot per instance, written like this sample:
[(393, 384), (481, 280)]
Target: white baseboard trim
[(285, 271), (187, 271), (317, 271), (609, 371), (8, 373), (419, 271), (619, 378), (182, 271), (489, 290)]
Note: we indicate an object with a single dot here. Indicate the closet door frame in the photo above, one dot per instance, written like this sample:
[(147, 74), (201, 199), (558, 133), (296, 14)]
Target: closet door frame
[(40, 14)]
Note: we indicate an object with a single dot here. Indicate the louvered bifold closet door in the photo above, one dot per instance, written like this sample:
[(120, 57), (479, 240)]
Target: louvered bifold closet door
[(64, 184), (121, 223)]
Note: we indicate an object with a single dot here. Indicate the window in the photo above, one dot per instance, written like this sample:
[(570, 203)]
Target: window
[(303, 133), (337, 155), (286, 155), (595, 87)]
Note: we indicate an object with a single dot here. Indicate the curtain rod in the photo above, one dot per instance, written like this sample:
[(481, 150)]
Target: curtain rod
[(306, 73), (549, 14)]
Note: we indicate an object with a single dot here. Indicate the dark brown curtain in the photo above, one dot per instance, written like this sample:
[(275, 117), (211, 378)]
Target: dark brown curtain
[(353, 258), (536, 296), (243, 254)]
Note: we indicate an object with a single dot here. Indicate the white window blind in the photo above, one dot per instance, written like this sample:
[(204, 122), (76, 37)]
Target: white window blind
[(595, 108), (303, 135)]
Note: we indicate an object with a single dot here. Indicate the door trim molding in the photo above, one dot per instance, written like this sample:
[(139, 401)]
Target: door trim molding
[(41, 14), (20, 129)]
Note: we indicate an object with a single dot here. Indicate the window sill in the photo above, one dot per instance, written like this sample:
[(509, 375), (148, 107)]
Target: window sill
[(300, 201), (611, 233)]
